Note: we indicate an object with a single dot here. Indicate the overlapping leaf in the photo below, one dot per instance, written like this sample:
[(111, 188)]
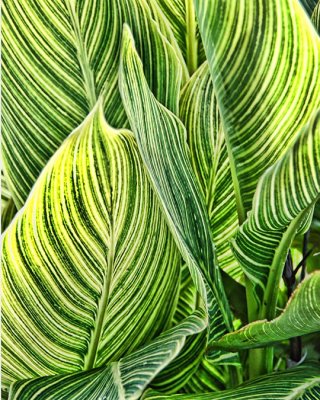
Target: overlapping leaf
[(267, 88), (58, 57), (181, 17), (121, 380), (267, 84), (300, 317), (300, 383), (200, 115), (161, 139), (90, 270), (283, 196)]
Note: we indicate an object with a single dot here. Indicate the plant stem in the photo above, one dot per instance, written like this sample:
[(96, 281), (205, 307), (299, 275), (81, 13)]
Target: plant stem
[(191, 37), (261, 360)]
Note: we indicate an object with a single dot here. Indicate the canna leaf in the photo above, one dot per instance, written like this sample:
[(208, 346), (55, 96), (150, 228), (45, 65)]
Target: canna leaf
[(58, 58), (267, 85), (181, 17), (315, 17), (284, 194), (300, 383), (161, 138), (267, 88), (90, 270), (300, 317), (120, 380), (200, 115)]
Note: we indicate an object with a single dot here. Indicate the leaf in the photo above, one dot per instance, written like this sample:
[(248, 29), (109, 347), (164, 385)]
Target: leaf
[(315, 17), (200, 115), (180, 15), (267, 85), (283, 196), (309, 5), (58, 58), (8, 209), (300, 317), (123, 379), (161, 139), (300, 383), (90, 270)]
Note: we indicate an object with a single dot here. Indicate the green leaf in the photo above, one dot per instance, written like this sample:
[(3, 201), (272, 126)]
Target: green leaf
[(161, 138), (123, 379), (283, 196), (315, 17), (58, 58), (200, 115), (267, 85), (8, 209), (300, 317), (90, 270), (309, 5), (300, 383), (181, 17)]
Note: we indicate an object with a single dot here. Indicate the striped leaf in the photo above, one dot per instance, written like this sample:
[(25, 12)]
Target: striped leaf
[(161, 139), (210, 162), (58, 57), (123, 379), (300, 383), (267, 88), (300, 317), (181, 17), (309, 5), (267, 84), (90, 271), (8, 209), (315, 17), (283, 197)]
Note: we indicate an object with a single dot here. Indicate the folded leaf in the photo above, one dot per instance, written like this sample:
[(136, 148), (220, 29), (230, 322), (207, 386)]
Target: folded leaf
[(283, 196), (58, 57), (200, 115), (161, 140), (123, 379), (300, 317), (8, 209), (300, 383), (90, 270)]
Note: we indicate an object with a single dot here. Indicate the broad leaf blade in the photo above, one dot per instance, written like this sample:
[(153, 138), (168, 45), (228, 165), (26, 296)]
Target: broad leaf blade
[(300, 383), (90, 270), (300, 317), (123, 379), (58, 57)]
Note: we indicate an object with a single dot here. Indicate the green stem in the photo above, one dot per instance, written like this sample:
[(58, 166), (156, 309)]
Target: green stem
[(261, 360), (191, 37)]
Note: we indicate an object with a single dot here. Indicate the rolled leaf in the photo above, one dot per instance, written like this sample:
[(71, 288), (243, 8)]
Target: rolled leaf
[(300, 317), (90, 271), (300, 383), (58, 58), (181, 17)]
